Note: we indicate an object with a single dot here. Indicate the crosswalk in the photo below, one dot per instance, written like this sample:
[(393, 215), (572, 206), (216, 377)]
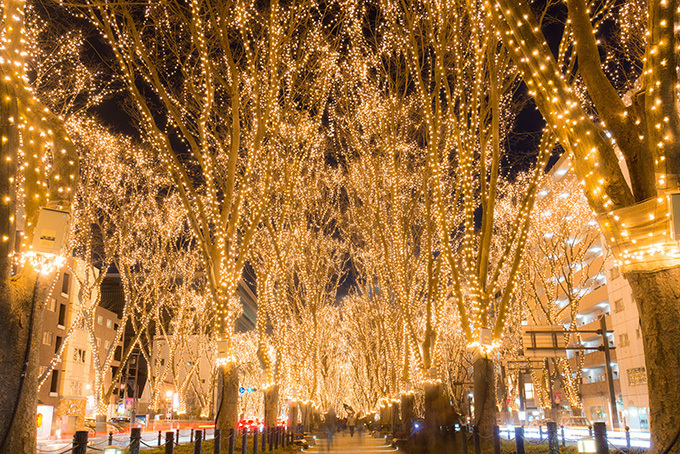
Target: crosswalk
[(344, 444)]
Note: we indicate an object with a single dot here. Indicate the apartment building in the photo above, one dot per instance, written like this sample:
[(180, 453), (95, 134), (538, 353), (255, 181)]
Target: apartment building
[(600, 291), (66, 397)]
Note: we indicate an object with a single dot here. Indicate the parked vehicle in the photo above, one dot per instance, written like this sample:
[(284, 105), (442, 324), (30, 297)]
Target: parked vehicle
[(575, 422)]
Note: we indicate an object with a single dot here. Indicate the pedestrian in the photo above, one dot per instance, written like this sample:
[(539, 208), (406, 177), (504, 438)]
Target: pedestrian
[(331, 422), (351, 423)]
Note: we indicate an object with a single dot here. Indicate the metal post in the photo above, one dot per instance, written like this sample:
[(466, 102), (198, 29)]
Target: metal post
[(177, 442), (627, 439), (159, 438), (600, 429), (191, 436), (564, 441), (476, 440), (496, 440), (264, 439), (135, 440), (540, 432), (110, 438), (169, 442), (217, 438), (80, 442), (244, 442), (610, 375), (553, 442), (232, 441), (278, 435), (198, 444), (270, 438), (255, 438), (464, 440), (519, 440)]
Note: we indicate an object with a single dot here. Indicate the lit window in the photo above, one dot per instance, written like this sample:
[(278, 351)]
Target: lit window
[(108, 323), (100, 320)]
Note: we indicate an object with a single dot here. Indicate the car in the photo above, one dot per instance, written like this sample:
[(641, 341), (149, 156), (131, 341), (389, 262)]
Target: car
[(540, 423), (575, 422)]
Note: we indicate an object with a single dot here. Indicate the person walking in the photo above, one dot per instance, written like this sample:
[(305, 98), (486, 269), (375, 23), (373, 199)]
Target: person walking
[(331, 422), (351, 424)]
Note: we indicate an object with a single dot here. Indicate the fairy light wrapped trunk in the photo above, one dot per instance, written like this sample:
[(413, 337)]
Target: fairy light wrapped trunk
[(638, 133), (39, 168)]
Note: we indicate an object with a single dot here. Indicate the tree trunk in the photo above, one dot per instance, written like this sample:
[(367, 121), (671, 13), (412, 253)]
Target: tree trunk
[(18, 401), (407, 411), (227, 402), (658, 299), (271, 405), (293, 415), (484, 398)]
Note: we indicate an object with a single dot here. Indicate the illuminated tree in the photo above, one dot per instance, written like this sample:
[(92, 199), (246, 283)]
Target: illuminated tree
[(447, 57), (624, 151), (211, 84), (39, 168), (563, 261)]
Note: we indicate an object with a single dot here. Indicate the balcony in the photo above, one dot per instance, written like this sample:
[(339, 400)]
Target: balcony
[(599, 388), (593, 359)]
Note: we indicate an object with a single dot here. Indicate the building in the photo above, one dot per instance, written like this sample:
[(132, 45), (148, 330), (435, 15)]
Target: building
[(66, 397), (599, 291)]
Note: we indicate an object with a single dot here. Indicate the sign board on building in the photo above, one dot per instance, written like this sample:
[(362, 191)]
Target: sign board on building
[(50, 231), (674, 208)]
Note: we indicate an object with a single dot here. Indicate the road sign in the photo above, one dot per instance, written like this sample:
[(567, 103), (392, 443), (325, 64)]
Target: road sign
[(544, 341)]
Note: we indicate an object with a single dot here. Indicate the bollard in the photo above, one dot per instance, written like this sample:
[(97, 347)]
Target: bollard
[(191, 436), (540, 432), (135, 440), (198, 444), (600, 429), (80, 442), (110, 438), (553, 442), (177, 442), (564, 441), (270, 438), (169, 442), (590, 431), (278, 435), (232, 441), (627, 439), (218, 441), (159, 438), (464, 439), (255, 438), (496, 440), (519, 440), (264, 439), (244, 442), (476, 440)]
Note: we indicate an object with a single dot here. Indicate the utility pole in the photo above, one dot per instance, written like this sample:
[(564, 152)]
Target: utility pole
[(610, 375)]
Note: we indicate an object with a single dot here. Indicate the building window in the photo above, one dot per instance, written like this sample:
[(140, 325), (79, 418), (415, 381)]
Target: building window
[(57, 344), (47, 337), (62, 314), (100, 320), (618, 305), (637, 376), (623, 340), (528, 390), (109, 323), (52, 304), (65, 283), (76, 388), (79, 355), (107, 344), (614, 273), (98, 342), (54, 384)]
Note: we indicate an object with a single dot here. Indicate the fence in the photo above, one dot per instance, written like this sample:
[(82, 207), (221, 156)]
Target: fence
[(265, 440)]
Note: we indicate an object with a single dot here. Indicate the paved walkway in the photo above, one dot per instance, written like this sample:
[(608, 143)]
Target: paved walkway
[(344, 444)]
